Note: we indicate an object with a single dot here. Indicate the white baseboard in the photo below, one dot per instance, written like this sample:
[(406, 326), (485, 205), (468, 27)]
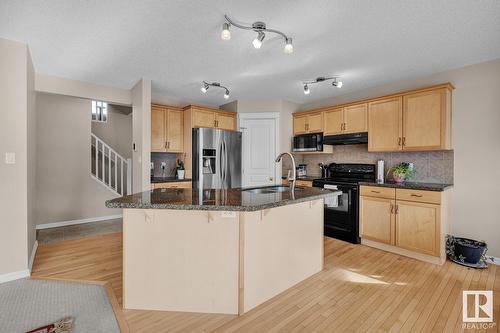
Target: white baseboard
[(82, 221), (32, 257), (493, 260), (14, 276)]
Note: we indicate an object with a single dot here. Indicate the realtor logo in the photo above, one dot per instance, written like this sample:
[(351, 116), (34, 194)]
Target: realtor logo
[(477, 306)]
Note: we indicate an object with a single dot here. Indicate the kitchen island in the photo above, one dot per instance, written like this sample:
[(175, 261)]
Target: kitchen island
[(218, 251)]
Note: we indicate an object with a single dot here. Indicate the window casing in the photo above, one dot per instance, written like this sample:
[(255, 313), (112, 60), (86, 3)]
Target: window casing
[(99, 111)]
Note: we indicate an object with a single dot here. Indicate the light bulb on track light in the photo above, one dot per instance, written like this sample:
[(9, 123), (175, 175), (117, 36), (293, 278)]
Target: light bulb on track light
[(225, 33), (288, 46), (306, 90), (257, 42)]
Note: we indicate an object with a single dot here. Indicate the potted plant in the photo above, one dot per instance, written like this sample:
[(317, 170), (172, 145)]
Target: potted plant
[(180, 169), (401, 172)]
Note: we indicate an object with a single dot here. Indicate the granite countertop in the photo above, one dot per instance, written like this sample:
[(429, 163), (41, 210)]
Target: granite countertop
[(235, 199), (306, 178), (155, 180), (412, 185)]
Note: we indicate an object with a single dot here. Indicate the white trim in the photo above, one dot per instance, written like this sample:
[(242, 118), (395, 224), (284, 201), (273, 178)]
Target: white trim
[(82, 221), (14, 276), (277, 139), (32, 257), (492, 260)]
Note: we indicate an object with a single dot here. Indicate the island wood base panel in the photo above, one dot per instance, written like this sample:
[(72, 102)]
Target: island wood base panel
[(215, 261)]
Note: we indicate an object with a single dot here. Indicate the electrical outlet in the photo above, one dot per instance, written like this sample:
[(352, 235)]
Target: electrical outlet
[(10, 158)]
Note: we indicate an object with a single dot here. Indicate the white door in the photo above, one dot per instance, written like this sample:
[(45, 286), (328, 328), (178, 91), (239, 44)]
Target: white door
[(259, 149)]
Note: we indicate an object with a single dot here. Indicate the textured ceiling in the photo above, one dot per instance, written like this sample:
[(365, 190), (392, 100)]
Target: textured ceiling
[(177, 45)]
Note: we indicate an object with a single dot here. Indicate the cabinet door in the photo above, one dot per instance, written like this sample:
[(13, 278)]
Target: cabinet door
[(377, 219), (226, 121), (299, 124), (175, 131), (158, 139), (334, 119), (356, 118), (423, 120), (384, 125), (417, 227), (203, 118), (315, 123)]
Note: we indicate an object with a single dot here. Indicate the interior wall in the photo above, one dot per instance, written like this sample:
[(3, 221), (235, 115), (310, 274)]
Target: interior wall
[(117, 130), (65, 188), (31, 158), (13, 177), (141, 136), (476, 138)]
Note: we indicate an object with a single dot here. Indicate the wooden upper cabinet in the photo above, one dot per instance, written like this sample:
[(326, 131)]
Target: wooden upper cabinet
[(315, 122), (334, 121), (175, 130), (377, 219), (384, 124), (203, 118), (356, 118), (158, 140), (418, 227), (225, 121), (299, 124), (167, 129), (427, 120), (308, 123)]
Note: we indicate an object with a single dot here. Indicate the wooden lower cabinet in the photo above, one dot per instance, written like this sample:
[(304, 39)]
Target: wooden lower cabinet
[(187, 184), (378, 221), (417, 227), (412, 223)]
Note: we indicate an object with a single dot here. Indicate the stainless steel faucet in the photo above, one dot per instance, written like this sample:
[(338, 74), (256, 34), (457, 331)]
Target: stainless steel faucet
[(294, 172)]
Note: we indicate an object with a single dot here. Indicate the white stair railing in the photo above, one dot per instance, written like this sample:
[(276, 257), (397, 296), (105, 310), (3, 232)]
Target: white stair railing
[(109, 168)]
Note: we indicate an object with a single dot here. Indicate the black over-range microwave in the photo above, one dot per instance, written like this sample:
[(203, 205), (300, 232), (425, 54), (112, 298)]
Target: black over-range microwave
[(308, 142)]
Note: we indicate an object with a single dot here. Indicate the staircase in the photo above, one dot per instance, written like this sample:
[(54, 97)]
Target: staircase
[(109, 168)]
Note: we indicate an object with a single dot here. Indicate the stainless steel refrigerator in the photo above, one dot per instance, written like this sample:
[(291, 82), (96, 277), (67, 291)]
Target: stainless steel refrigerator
[(216, 158)]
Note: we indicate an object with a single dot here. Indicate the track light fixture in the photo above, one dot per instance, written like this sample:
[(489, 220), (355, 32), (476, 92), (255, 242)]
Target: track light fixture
[(260, 28), (336, 83), (206, 85)]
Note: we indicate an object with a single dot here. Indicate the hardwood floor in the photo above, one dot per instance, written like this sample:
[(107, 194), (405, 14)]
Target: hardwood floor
[(361, 289)]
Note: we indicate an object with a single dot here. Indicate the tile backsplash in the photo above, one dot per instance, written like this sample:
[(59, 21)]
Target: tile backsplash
[(171, 163), (431, 167)]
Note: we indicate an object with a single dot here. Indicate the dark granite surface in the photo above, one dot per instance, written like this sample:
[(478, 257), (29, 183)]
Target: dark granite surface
[(235, 199), (155, 180), (412, 185), (308, 178)]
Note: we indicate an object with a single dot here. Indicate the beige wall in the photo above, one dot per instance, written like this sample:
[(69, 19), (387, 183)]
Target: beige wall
[(476, 139), (65, 189), (61, 86), (14, 84), (117, 130), (31, 159), (141, 135)]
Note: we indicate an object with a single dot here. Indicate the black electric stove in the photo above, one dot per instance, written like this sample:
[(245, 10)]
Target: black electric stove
[(342, 222)]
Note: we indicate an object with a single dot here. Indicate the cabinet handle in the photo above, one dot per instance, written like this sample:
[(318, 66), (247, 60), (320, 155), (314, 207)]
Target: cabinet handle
[(397, 209), (392, 208), (404, 141), (166, 144), (375, 191), (399, 141), (345, 126), (416, 195)]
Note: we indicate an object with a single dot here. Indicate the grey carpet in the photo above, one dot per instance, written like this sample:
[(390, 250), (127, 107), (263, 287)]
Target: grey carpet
[(27, 304)]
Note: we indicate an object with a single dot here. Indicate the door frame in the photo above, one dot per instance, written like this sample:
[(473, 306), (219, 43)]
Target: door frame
[(265, 115)]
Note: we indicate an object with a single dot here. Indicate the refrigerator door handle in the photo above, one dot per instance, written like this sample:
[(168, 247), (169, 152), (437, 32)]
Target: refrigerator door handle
[(224, 164)]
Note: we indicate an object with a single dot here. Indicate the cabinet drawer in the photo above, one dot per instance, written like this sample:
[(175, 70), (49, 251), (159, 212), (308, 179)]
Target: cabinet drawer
[(173, 185), (419, 196), (303, 183), (378, 192)]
